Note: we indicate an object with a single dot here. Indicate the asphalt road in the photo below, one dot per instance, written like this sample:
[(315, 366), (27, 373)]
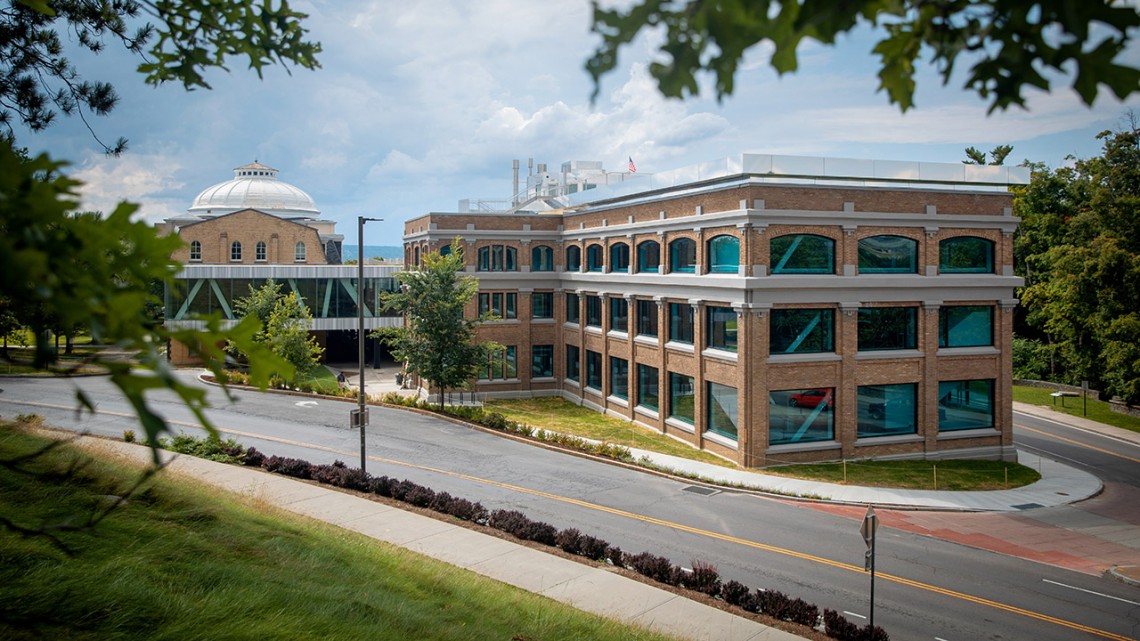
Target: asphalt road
[(925, 588)]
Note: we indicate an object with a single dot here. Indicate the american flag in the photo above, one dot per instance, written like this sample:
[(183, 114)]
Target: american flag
[(632, 168)]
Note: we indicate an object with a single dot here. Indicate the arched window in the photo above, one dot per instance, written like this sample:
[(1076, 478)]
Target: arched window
[(802, 254), (888, 255), (648, 256), (299, 252), (235, 250), (966, 255), (724, 254), (497, 258), (683, 255), (594, 258), (416, 255), (195, 250), (573, 258), (619, 257), (259, 250), (445, 250), (542, 259)]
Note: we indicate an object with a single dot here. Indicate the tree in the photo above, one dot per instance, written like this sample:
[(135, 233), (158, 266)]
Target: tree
[(37, 82), (976, 156), (1080, 245), (437, 342), (284, 325), (1010, 43), (67, 268)]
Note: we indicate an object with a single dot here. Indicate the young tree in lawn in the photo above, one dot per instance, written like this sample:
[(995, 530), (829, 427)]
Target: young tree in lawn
[(437, 342), (284, 325)]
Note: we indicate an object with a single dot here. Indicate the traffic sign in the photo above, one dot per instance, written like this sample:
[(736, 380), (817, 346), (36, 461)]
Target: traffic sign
[(869, 526)]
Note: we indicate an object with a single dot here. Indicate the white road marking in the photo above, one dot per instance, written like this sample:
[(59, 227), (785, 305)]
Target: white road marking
[(1107, 596), (306, 403), (854, 615)]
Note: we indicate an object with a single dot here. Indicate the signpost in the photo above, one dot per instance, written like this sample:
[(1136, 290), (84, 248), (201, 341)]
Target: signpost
[(868, 528)]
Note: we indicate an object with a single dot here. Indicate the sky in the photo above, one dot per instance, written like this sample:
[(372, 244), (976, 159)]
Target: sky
[(418, 105)]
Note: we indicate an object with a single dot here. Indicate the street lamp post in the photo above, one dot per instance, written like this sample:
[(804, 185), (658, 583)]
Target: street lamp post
[(361, 415)]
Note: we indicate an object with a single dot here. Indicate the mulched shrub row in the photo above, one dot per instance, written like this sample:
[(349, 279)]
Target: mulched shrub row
[(702, 577)]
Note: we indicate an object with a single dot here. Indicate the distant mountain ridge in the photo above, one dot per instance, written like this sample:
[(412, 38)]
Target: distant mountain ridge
[(348, 251)]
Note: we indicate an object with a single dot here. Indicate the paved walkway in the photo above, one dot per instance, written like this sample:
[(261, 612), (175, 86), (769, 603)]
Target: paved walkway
[(590, 588)]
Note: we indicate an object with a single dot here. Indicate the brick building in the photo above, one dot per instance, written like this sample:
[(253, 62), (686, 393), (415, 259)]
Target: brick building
[(245, 231), (768, 309)]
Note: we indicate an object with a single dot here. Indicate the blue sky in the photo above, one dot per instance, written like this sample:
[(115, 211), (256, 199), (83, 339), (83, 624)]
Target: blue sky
[(418, 105)]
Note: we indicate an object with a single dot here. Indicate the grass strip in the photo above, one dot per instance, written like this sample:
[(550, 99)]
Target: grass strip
[(180, 561), (559, 415), (1098, 411)]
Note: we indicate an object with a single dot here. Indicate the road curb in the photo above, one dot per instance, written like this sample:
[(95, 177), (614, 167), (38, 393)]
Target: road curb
[(1129, 574)]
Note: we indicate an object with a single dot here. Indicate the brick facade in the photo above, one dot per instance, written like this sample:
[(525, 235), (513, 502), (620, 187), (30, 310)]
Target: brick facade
[(937, 398)]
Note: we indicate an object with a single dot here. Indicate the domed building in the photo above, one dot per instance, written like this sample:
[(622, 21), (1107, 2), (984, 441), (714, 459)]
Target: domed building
[(218, 229), (240, 233)]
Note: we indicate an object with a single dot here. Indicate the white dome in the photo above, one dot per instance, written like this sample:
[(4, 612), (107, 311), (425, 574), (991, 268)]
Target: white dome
[(254, 186)]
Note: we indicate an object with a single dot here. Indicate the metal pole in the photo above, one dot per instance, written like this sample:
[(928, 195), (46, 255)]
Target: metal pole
[(872, 622), (360, 329)]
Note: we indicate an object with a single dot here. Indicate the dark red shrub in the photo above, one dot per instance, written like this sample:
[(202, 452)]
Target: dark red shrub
[(837, 626), (569, 541), (801, 612), (509, 521), (704, 578), (420, 496), (733, 592), (294, 467), (253, 458), (616, 556), (540, 532), (593, 547), (655, 567), (381, 486)]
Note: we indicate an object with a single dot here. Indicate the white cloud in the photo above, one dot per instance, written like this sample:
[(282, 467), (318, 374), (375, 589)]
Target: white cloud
[(138, 178)]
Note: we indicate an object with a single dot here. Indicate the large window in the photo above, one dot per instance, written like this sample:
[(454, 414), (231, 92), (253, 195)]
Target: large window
[(647, 387), (195, 250), (619, 257), (595, 258), (887, 410), (681, 322), (498, 258), (573, 311), (235, 250), (965, 405), (593, 370), (619, 314), (542, 305), (573, 258), (721, 328), (888, 255), (883, 328), (682, 398), (259, 251), (801, 331), (802, 254), (683, 256), (501, 305), (724, 254), (573, 363), (541, 259), (722, 413), (300, 254), (593, 311), (542, 361), (966, 326), (646, 317), (619, 377), (966, 255), (801, 415), (648, 256), (502, 365)]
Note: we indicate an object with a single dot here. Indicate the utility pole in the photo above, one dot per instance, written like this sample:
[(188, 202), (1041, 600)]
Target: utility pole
[(868, 528)]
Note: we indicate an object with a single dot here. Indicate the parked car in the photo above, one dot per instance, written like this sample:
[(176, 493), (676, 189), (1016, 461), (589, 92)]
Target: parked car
[(813, 398), (878, 411)]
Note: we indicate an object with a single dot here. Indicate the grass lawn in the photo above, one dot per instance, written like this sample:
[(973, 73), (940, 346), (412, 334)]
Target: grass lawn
[(560, 415), (178, 561), (1098, 410), (322, 379), (18, 360), (917, 475)]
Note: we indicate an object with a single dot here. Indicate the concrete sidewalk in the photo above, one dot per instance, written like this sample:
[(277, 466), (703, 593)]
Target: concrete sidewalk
[(593, 589), (1059, 484)]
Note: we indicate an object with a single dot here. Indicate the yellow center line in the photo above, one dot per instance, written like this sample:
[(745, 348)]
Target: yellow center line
[(669, 524), (1078, 443)]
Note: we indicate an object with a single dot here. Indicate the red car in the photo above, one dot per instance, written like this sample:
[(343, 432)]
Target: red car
[(813, 398)]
